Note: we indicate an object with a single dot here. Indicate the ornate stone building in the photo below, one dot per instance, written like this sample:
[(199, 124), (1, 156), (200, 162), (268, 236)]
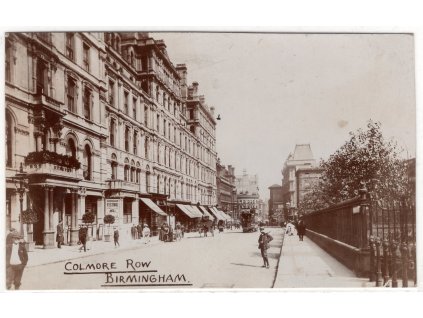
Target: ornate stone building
[(247, 192), (226, 189), (101, 123), (301, 158)]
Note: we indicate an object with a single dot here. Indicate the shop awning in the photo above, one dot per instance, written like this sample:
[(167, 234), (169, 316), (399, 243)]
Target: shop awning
[(216, 213), (184, 210), (227, 217), (153, 206), (206, 213), (195, 211)]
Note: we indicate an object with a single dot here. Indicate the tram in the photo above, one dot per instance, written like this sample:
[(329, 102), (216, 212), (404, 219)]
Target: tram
[(248, 221)]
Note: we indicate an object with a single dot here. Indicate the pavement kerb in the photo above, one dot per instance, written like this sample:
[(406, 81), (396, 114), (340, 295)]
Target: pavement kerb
[(123, 248), (279, 260)]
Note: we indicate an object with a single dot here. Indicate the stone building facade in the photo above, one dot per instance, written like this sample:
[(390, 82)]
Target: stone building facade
[(276, 205), (226, 189), (101, 123), (247, 192), (301, 158)]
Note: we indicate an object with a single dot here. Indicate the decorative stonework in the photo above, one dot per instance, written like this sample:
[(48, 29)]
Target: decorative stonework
[(21, 131)]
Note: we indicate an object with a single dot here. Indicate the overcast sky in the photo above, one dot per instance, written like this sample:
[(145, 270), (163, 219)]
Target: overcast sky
[(273, 91)]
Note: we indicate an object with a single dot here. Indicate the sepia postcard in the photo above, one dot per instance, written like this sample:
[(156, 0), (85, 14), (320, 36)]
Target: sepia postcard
[(209, 160)]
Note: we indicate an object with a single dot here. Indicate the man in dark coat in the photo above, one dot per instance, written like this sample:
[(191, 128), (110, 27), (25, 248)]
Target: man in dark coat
[(301, 229), (59, 235), (16, 260), (264, 240), (83, 231)]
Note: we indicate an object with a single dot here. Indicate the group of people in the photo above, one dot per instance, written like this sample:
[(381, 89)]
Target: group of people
[(141, 232), (299, 227)]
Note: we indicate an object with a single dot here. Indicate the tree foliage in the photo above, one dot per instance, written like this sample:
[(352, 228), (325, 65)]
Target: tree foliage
[(88, 217), (109, 219), (366, 157)]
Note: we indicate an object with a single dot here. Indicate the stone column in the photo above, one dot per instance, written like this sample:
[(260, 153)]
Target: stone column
[(74, 237), (48, 241), (100, 217), (135, 210)]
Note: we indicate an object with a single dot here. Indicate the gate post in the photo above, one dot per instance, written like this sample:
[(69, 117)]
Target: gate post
[(385, 261), (404, 256), (372, 271), (394, 247), (378, 264)]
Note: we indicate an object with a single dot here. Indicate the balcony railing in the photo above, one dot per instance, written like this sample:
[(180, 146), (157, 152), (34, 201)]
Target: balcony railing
[(123, 185), (52, 169)]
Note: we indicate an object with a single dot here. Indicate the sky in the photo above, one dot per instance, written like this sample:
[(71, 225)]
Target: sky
[(274, 91)]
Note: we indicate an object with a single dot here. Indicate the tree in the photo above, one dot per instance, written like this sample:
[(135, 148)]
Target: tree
[(367, 157)]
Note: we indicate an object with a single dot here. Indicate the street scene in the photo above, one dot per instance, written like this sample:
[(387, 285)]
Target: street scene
[(154, 160)]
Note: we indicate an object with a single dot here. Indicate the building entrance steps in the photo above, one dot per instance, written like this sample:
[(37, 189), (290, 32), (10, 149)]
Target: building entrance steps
[(303, 264)]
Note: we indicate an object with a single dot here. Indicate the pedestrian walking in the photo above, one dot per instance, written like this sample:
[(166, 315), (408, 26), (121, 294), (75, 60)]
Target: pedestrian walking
[(301, 229), (83, 232), (139, 230), (182, 230), (116, 236), (16, 259), (205, 229), (178, 231), (146, 234), (263, 241), (60, 238)]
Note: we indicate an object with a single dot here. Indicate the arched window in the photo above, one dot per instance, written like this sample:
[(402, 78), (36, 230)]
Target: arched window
[(71, 148), (87, 164), (9, 140)]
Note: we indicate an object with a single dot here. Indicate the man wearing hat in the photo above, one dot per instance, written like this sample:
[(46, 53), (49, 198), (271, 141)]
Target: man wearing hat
[(264, 240), (16, 260)]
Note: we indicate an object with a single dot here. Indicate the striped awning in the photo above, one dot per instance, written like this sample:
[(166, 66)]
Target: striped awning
[(153, 206), (206, 213), (195, 211), (216, 213), (185, 210)]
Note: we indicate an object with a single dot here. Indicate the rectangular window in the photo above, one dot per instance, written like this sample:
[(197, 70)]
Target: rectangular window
[(158, 123), (8, 62), (146, 116), (111, 93), (164, 127), (86, 57), (125, 103), (87, 103), (69, 45), (112, 132), (126, 139), (135, 142), (71, 93), (134, 108)]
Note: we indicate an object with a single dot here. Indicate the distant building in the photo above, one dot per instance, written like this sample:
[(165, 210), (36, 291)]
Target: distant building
[(226, 190), (300, 159), (276, 204), (247, 192)]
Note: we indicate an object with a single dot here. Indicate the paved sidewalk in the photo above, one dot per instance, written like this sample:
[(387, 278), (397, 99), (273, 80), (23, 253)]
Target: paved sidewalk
[(303, 264), (42, 256)]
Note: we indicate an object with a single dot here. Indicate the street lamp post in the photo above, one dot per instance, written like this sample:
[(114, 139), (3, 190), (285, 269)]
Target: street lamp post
[(20, 184)]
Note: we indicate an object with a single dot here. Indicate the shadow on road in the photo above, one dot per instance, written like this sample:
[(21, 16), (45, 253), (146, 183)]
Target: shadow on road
[(240, 264)]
